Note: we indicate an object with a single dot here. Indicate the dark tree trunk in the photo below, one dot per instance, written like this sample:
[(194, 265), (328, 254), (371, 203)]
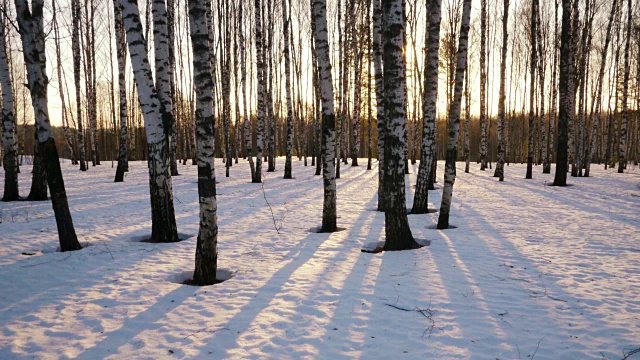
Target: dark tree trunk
[(38, 190), (32, 35), (398, 234), (565, 105)]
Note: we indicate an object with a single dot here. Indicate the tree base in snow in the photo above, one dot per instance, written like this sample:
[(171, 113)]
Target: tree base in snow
[(378, 247), (186, 277), (435, 227), (553, 184), (318, 230), (428, 211)]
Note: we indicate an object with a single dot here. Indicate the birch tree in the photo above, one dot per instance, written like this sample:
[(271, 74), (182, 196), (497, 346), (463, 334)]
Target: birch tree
[(622, 149), (287, 72), (560, 178), (9, 137), (163, 219), (501, 96), (397, 232), (454, 119), (377, 65), (546, 167), (31, 28), (163, 71), (483, 84), (207, 243), (357, 91), (75, 49), (427, 156), (260, 91), (599, 82), (532, 69), (321, 37), (121, 55), (243, 81)]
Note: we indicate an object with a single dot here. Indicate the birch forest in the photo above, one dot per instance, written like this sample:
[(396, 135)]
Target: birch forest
[(326, 82), (488, 137)]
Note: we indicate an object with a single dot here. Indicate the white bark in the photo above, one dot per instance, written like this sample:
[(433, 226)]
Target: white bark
[(454, 119), (397, 232), (483, 82), (427, 157), (9, 143), (121, 55), (75, 49), (357, 91), (599, 82), (321, 37), (287, 72), (207, 243), (243, 80), (162, 211), (30, 23), (260, 91), (502, 95), (377, 65), (622, 147)]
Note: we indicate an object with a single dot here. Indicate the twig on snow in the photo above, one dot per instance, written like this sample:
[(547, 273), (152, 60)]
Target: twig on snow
[(205, 329), (537, 347), (273, 217), (627, 355), (105, 245), (428, 313), (46, 262)]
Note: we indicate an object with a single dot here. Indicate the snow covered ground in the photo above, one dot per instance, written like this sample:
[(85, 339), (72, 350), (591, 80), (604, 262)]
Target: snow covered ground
[(530, 271)]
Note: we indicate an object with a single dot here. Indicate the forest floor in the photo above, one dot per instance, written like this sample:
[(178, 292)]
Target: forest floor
[(530, 271)]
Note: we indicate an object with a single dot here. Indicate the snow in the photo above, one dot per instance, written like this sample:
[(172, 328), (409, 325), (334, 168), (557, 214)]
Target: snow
[(530, 270)]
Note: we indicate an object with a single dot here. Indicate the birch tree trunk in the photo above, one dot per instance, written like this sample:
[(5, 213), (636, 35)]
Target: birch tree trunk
[(163, 72), (31, 28), (560, 178), (226, 83), (483, 84), (377, 65), (321, 37), (573, 53), (397, 232), (622, 149), (357, 90), (155, 120), (599, 82), (546, 167), (532, 69), (243, 80), (121, 55), (38, 191), (76, 18), (9, 154), (501, 96), (369, 105), (171, 70), (427, 156), (207, 243), (63, 111), (287, 72), (260, 91), (454, 119), (467, 121)]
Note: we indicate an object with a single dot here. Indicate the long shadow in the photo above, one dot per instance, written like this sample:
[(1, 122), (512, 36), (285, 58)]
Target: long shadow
[(240, 322), (354, 308), (329, 288), (514, 268), (147, 320)]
